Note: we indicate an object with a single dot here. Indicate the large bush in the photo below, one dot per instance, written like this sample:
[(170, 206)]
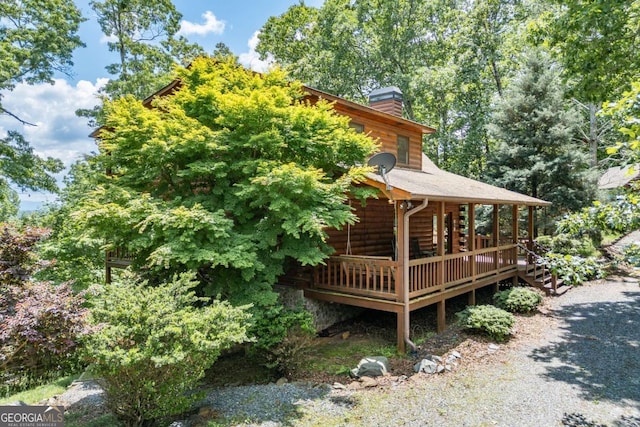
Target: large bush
[(152, 345), (39, 323), (40, 327), (493, 321), (518, 300), (567, 244)]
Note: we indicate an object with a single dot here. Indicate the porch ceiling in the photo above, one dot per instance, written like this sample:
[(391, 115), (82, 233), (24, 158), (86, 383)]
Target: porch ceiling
[(436, 184)]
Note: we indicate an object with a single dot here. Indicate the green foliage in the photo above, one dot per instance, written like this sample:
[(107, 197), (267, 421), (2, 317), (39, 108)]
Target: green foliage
[(493, 321), (233, 175), (20, 166), (631, 254), (151, 345), (144, 35), (518, 299), (289, 355), (626, 111), (596, 41), (568, 244), (37, 39), (534, 128), (573, 269), (621, 215), (72, 254), (349, 47)]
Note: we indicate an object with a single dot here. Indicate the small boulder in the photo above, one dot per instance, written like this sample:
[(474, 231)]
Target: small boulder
[(371, 367)]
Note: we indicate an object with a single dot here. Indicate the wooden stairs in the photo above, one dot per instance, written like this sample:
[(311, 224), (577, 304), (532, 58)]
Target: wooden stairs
[(535, 273)]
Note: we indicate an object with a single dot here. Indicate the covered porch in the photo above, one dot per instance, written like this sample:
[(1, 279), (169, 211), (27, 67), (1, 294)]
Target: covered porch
[(414, 247)]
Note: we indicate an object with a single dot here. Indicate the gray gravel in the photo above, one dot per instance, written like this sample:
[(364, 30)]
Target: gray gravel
[(583, 371)]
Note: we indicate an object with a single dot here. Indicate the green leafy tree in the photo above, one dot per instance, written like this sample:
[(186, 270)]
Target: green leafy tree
[(37, 39), (144, 35), (233, 175), (73, 255), (151, 345), (626, 112), (536, 153), (597, 42), (448, 58)]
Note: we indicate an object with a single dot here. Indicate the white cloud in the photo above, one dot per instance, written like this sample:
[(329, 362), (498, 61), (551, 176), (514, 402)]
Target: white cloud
[(58, 132), (108, 39), (211, 25), (252, 59)]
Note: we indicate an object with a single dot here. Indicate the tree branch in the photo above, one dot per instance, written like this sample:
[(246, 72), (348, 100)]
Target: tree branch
[(24, 122)]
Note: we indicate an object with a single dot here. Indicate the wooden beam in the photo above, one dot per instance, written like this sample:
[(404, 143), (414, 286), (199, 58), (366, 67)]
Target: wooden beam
[(400, 332), (441, 247), (496, 225), (472, 236), (530, 227), (401, 246), (441, 313), (514, 226), (472, 297)]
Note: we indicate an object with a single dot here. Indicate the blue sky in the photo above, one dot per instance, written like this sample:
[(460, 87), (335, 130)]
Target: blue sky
[(59, 133)]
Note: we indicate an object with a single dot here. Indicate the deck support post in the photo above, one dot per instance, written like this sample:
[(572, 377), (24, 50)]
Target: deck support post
[(400, 331), (442, 324), (530, 227), (472, 297)]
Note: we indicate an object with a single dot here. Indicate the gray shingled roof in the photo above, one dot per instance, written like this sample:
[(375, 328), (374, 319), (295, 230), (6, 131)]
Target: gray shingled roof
[(436, 184), (617, 176)]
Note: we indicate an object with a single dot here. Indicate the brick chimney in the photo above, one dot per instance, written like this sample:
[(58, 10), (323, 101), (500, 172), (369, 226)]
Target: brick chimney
[(387, 99)]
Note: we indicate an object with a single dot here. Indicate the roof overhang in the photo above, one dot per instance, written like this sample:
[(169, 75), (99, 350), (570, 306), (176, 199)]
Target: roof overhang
[(438, 185)]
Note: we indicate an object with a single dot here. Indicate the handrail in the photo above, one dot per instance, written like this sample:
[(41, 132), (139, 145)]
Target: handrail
[(541, 262)]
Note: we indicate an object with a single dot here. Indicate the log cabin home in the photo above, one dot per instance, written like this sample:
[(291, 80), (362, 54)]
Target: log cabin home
[(419, 242)]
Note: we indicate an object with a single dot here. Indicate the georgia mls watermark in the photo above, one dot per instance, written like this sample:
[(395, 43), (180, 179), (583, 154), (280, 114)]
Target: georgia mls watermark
[(31, 416)]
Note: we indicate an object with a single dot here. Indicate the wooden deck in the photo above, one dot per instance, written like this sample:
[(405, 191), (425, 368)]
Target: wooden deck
[(360, 280)]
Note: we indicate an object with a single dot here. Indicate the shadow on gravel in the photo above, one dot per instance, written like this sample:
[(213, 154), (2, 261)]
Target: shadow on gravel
[(598, 351)]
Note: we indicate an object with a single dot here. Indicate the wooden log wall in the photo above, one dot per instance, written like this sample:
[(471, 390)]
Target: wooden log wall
[(372, 235), (387, 135)]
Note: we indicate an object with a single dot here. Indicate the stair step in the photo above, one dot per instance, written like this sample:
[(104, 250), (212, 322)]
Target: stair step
[(560, 290)]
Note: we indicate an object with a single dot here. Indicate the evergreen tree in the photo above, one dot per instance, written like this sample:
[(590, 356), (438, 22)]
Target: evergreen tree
[(536, 153)]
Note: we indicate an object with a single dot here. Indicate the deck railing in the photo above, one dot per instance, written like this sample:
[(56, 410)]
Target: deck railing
[(375, 276), (370, 276)]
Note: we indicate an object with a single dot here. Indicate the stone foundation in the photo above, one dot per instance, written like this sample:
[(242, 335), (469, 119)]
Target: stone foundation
[(325, 314)]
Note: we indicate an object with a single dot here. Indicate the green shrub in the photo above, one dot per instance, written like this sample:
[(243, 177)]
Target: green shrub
[(151, 345), (491, 320), (282, 336), (573, 269), (518, 300), (567, 244), (631, 254)]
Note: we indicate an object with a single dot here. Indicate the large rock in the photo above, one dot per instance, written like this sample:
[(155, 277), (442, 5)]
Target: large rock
[(371, 367)]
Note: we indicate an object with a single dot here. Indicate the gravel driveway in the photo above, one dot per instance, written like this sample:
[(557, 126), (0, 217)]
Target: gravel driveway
[(577, 364)]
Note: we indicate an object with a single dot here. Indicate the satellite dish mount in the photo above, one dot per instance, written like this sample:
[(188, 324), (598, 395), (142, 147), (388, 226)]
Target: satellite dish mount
[(385, 162)]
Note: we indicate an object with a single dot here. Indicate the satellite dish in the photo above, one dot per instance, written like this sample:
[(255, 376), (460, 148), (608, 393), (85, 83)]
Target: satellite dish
[(384, 162)]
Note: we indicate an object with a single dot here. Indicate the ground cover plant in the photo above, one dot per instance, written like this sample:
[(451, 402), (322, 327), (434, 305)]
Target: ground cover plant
[(518, 299), (493, 321)]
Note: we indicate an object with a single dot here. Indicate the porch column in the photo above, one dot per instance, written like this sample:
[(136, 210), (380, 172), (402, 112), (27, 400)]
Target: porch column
[(472, 238), (515, 229), (441, 213), (530, 227), (496, 226), (400, 261), (514, 226)]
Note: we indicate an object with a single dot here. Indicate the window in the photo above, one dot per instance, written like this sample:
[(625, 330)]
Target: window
[(357, 127), (403, 149)]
